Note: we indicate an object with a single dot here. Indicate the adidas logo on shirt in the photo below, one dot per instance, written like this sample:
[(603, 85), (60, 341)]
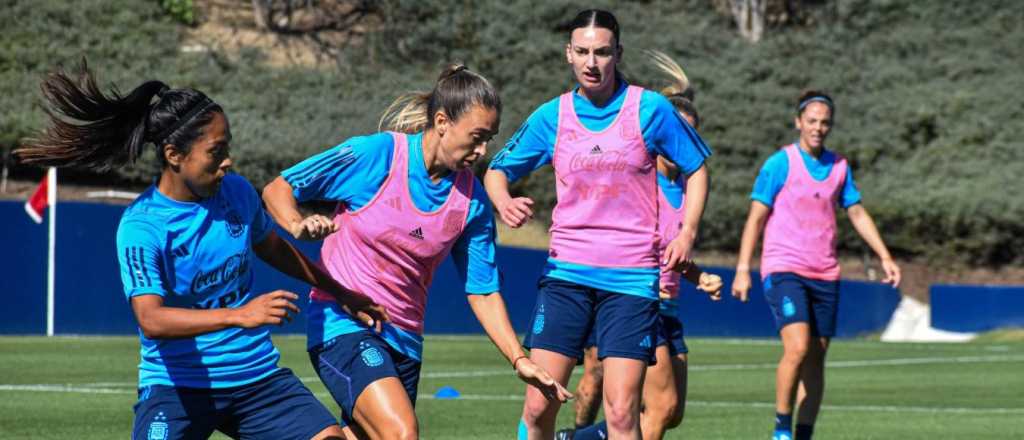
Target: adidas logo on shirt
[(595, 150), (417, 233)]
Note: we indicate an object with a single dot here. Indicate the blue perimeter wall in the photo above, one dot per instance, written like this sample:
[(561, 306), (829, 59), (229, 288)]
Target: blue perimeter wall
[(90, 300), (976, 308)]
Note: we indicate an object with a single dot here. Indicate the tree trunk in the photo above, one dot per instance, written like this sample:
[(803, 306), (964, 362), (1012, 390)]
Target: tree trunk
[(749, 16)]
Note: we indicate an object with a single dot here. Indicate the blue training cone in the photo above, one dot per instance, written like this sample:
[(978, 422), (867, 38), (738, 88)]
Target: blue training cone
[(446, 393)]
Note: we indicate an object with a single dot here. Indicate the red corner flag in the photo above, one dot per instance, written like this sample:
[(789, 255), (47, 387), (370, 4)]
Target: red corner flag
[(36, 205)]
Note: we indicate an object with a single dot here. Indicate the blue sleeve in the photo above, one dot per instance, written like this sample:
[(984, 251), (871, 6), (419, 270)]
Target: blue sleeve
[(532, 146), (771, 178), (850, 195), (473, 253), (260, 223), (140, 255), (341, 172), (667, 134)]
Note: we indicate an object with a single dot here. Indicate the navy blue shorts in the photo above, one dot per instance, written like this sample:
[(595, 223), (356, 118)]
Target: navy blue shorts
[(794, 298), (624, 326), (276, 407), (349, 363), (670, 332)]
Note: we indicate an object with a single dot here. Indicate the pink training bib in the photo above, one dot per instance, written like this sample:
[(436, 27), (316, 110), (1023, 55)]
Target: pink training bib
[(389, 249), (800, 234), (670, 221), (606, 186)]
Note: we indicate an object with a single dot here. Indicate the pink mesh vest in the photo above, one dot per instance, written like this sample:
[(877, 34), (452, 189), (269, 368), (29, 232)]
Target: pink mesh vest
[(389, 249), (800, 235), (670, 221), (606, 186)]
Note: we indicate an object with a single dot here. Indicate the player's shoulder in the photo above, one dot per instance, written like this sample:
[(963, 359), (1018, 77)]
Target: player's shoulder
[(144, 219), (546, 112)]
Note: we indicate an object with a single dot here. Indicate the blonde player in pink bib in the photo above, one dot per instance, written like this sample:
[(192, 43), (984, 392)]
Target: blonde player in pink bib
[(665, 383), (406, 199), (602, 139), (794, 203)]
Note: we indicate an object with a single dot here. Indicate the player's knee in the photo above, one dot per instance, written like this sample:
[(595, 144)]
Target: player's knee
[(621, 414), (588, 388), (536, 408), (794, 353), (401, 429)]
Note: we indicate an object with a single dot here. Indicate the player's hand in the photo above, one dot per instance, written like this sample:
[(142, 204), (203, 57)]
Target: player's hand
[(516, 212), (370, 313), (892, 272), (270, 308), (663, 295), (314, 227), (741, 285), (712, 284), (534, 375), (677, 254)]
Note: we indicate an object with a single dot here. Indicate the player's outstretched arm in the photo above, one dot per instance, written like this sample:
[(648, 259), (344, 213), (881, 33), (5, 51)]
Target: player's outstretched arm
[(283, 207), (513, 211), (678, 250), (751, 233), (865, 226), (284, 257), (490, 311), (705, 282), (160, 322)]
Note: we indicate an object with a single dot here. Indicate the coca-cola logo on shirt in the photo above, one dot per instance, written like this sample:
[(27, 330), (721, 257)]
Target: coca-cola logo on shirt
[(603, 161)]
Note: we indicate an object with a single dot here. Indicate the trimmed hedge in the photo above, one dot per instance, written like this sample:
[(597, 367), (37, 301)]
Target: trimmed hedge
[(926, 95)]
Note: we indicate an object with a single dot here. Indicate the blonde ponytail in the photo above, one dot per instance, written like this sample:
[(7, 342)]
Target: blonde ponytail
[(407, 114), (679, 83), (457, 89), (678, 92)]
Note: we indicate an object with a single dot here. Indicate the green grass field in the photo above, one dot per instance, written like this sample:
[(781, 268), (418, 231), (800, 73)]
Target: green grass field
[(83, 388)]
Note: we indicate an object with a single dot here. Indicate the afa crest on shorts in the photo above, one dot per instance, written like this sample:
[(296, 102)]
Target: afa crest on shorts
[(158, 428), (372, 357)]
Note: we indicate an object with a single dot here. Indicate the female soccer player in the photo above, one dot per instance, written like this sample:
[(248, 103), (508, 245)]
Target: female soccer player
[(186, 249), (664, 391), (602, 139), (405, 201), (794, 201)]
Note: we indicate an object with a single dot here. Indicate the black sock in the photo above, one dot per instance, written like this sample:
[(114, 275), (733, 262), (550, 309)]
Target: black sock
[(597, 431), (804, 432), (783, 422)]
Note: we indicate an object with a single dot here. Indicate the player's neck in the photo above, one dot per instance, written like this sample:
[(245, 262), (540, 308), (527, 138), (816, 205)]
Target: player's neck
[(175, 188), (813, 151), (436, 170)]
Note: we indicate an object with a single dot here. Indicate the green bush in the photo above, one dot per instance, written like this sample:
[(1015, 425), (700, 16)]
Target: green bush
[(181, 10), (926, 92)]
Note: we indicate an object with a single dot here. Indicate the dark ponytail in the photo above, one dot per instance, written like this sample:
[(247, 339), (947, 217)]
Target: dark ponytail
[(456, 91), (93, 130)]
